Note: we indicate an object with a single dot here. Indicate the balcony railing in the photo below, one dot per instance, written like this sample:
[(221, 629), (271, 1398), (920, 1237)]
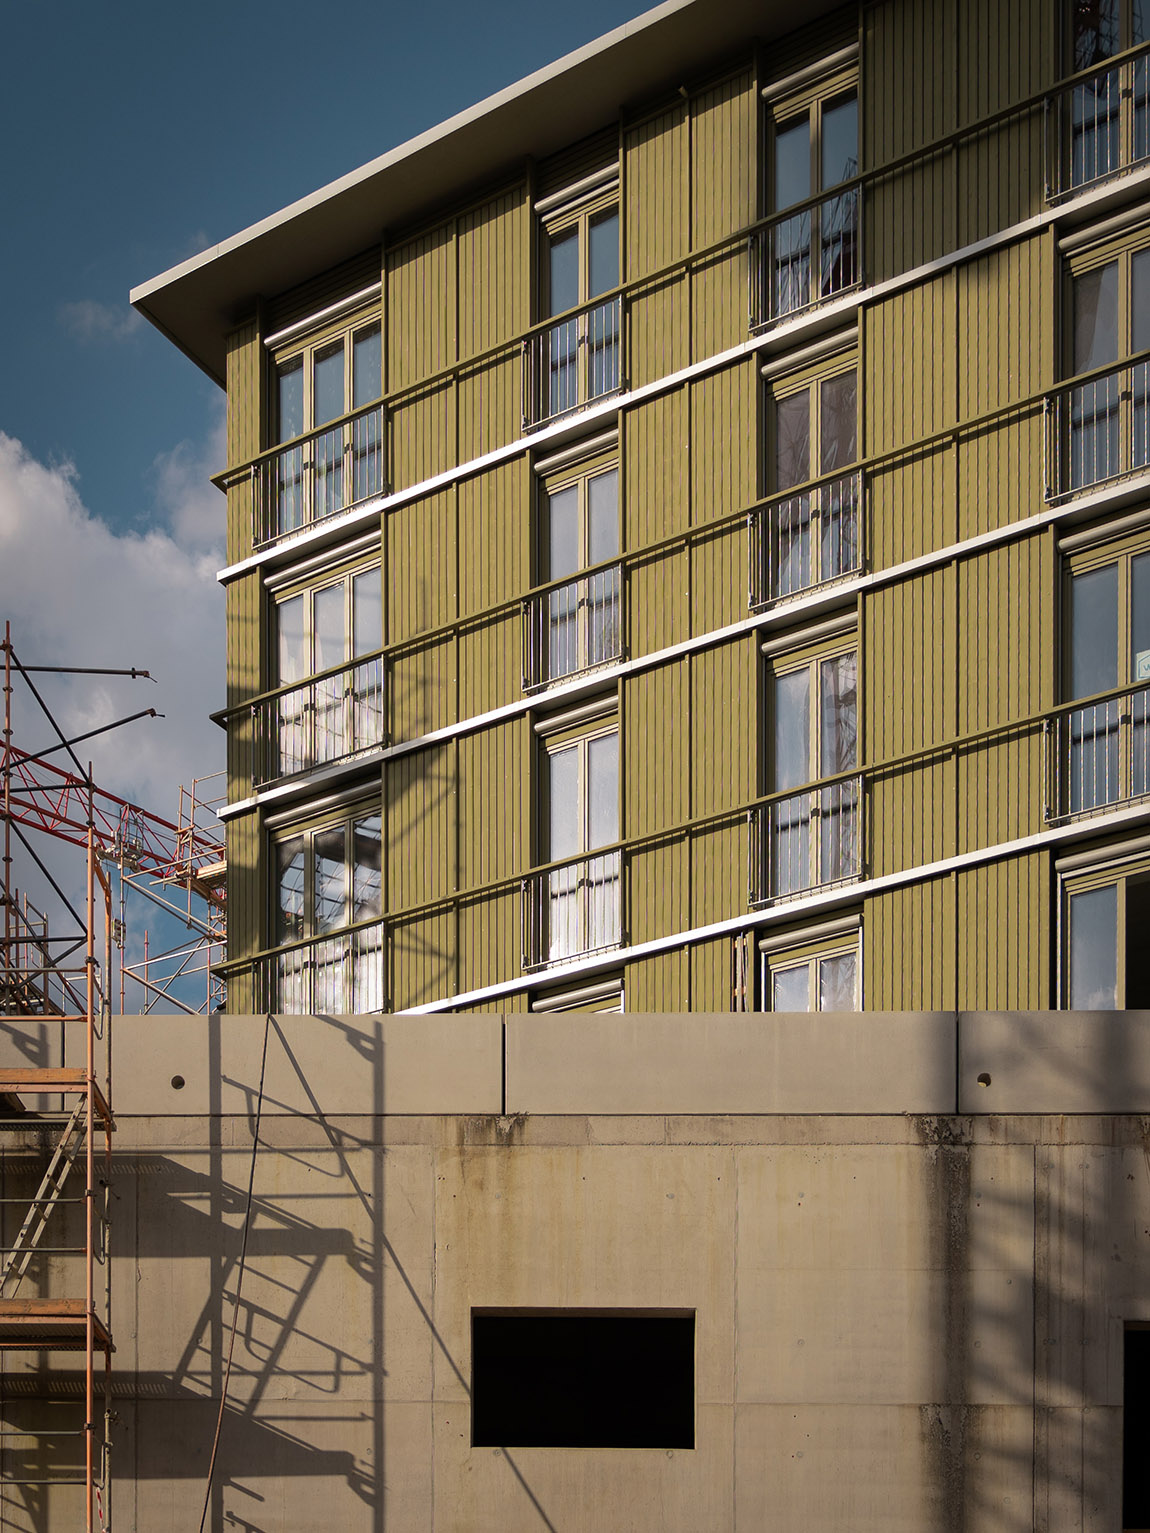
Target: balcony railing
[(1098, 753), (319, 475), (573, 362), (328, 718), (806, 840), (1098, 428), (572, 909), (807, 257), (342, 972), (803, 540), (1098, 126), (572, 627)]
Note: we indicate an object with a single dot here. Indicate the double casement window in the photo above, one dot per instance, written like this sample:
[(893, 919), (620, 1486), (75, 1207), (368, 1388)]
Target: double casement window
[(578, 359), (812, 536), (1101, 749), (330, 705), (327, 917), (814, 254), (574, 906), (1104, 917), (812, 971), (1108, 124), (575, 623), (809, 835), (1104, 421), (326, 408)]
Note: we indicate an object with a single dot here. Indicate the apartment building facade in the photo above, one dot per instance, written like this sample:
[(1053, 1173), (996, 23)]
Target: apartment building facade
[(683, 530)]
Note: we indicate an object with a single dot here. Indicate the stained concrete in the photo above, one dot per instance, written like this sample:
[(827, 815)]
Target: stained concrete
[(905, 1320)]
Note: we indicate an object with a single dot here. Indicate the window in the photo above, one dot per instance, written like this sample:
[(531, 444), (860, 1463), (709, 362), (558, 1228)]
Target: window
[(1108, 424), (813, 146), (811, 837), (1135, 1426), (327, 916), (578, 359), (581, 1379), (334, 462), (574, 907), (1102, 749), (1105, 909), (575, 624), (815, 972), (1109, 124), (328, 638), (802, 540)]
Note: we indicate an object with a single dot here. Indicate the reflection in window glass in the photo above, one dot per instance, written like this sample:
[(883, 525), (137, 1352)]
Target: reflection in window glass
[(840, 141), (563, 532), (603, 273), (792, 440), (839, 714), (366, 368), (289, 882), (1094, 631), (367, 888), (838, 982), (290, 400), (792, 729), (793, 163), (790, 989), (1096, 318), (838, 414), (563, 288), (328, 403), (1092, 949), (603, 517), (330, 879)]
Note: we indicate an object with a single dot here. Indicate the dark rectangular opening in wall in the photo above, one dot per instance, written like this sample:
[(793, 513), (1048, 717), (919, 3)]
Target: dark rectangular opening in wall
[(1136, 1428), (582, 1379)]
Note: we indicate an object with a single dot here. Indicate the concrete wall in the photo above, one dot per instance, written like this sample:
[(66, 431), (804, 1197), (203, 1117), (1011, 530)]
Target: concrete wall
[(906, 1318)]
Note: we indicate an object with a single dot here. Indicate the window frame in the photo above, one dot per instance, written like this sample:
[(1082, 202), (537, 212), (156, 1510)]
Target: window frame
[(1084, 873), (786, 557), (352, 811), (304, 351), (809, 955), (575, 597), (833, 851)]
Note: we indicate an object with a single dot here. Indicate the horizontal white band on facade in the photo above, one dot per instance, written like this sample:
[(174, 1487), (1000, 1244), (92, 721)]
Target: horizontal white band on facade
[(828, 899), (333, 311), (774, 339)]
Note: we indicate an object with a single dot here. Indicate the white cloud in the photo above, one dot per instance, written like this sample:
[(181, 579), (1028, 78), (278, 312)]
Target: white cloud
[(89, 320), (78, 593)]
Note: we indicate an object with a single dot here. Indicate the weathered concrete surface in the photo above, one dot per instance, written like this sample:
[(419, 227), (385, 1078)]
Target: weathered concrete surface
[(904, 1321), (884, 1062), (1054, 1061)]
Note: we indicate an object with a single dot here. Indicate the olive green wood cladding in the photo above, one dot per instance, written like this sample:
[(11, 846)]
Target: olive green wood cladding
[(956, 62), (945, 653), (947, 354), (245, 431), (244, 602)]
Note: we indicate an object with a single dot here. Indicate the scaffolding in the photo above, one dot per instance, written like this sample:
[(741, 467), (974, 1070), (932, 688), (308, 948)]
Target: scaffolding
[(56, 1119)]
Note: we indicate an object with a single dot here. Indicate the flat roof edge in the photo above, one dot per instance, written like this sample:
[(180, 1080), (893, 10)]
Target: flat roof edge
[(406, 150)]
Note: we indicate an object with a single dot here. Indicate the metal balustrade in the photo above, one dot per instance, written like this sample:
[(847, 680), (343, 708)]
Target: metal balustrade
[(319, 475), (573, 362), (807, 257), (1098, 429), (325, 719), (572, 627), (338, 973), (1098, 755), (1098, 126), (572, 909), (806, 840), (798, 541)]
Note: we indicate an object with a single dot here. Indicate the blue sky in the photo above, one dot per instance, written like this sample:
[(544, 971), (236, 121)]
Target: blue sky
[(134, 135)]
